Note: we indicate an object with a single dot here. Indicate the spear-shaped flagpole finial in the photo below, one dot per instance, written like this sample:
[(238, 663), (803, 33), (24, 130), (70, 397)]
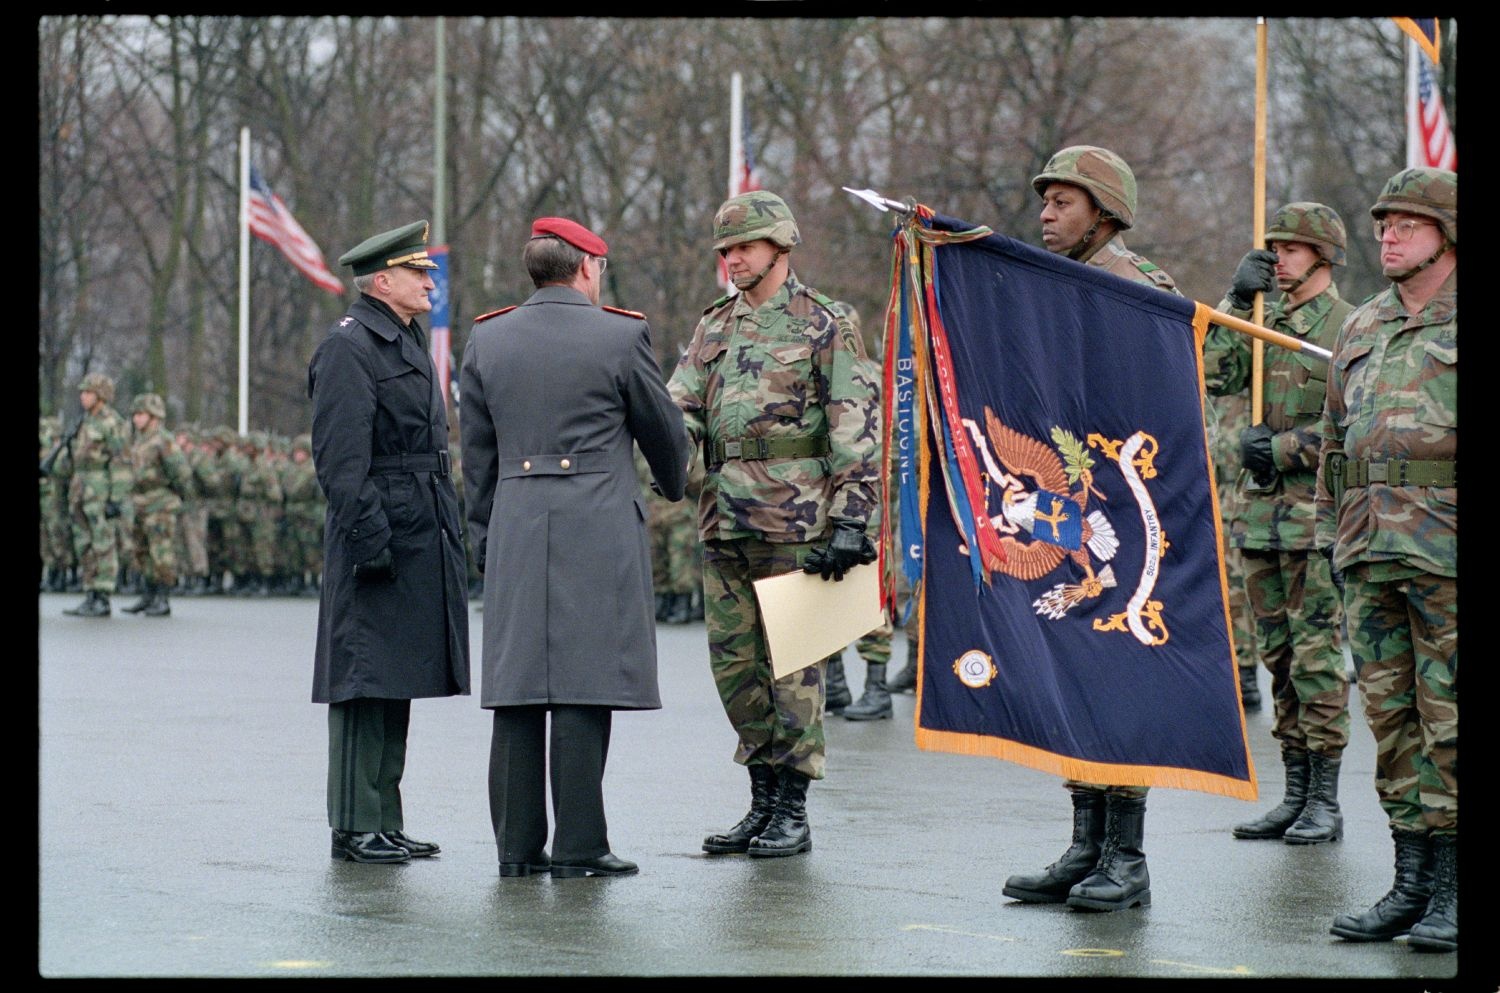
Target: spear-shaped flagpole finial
[(879, 202)]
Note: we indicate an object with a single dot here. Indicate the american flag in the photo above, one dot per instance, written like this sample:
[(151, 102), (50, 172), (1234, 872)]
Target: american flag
[(271, 221), (1436, 147)]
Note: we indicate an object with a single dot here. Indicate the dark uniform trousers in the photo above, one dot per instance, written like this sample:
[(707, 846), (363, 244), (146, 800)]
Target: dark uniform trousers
[(366, 757), (518, 764)]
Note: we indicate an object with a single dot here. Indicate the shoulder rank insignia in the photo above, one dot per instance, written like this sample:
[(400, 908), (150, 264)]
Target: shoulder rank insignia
[(628, 313), (496, 313), (719, 303)]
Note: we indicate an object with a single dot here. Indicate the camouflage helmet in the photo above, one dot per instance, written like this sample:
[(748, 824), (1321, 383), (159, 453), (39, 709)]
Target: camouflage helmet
[(1098, 170), (303, 442), (100, 385), (225, 436), (151, 403), (1429, 192), (1315, 224), (752, 216)]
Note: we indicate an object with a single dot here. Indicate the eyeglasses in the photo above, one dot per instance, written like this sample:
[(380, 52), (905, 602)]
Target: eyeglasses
[(1404, 228), (604, 263)]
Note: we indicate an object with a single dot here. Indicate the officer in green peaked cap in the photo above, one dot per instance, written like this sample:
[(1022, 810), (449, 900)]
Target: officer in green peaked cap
[(403, 246)]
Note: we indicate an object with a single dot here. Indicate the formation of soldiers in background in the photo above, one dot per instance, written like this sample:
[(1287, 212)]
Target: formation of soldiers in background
[(245, 515)]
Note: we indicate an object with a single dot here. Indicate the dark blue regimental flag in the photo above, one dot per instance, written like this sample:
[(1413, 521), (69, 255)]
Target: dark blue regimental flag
[(1098, 645)]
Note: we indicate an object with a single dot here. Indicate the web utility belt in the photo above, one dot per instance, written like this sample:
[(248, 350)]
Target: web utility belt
[(756, 449)]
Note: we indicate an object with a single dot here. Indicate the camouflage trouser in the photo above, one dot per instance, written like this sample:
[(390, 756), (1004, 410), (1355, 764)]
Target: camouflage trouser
[(674, 536), (192, 539), (155, 536), (57, 535), (780, 722), (223, 540), (1296, 609), (1239, 609), (93, 535), (874, 648), (258, 527), (303, 526), (1403, 634)]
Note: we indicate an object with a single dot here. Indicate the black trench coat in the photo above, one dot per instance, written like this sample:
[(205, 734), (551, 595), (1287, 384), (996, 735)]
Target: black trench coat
[(375, 395)]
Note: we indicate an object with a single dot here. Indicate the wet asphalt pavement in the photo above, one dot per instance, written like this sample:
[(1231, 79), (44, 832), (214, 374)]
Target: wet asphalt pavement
[(183, 833)]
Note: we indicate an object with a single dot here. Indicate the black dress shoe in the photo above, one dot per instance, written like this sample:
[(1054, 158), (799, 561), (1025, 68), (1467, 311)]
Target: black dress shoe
[(416, 849), (607, 864), (368, 846), (535, 865)]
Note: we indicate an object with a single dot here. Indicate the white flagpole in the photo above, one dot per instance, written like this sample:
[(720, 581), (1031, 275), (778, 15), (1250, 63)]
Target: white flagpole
[(1414, 156), (736, 127), (244, 281)]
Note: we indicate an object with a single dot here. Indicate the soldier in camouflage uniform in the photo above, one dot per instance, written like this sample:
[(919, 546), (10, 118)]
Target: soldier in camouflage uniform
[(772, 387), (219, 482), (1387, 506), (873, 648), (304, 516), (98, 492), (1288, 582), (1088, 198), (162, 475), (259, 510), (1224, 417), (52, 490), (192, 519)]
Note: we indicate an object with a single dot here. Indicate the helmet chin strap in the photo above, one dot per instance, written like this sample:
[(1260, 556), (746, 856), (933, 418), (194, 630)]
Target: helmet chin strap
[(1402, 277), (1306, 275), (755, 280), (1085, 246)]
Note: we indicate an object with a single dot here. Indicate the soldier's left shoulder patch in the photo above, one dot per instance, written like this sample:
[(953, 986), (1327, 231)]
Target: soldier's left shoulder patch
[(627, 313)]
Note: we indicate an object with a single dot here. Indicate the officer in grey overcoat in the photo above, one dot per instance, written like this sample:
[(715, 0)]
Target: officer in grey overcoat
[(554, 394), (393, 621)]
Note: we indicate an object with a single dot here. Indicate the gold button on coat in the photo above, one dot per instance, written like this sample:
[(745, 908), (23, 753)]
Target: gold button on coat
[(565, 463), (526, 465)]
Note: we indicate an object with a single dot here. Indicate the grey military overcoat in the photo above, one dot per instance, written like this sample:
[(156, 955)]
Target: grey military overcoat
[(553, 393), (376, 399)]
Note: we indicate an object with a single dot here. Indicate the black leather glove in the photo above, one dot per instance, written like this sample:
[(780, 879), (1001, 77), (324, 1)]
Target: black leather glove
[(111, 510), (379, 568), (1256, 272), (847, 547), (1255, 453)]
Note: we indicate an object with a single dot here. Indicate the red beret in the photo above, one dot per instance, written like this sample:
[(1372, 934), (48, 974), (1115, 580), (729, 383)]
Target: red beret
[(572, 232)]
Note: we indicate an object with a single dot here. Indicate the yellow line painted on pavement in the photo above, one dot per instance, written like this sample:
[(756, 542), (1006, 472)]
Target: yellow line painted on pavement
[(1094, 953), (299, 964), (1239, 970), (953, 930)]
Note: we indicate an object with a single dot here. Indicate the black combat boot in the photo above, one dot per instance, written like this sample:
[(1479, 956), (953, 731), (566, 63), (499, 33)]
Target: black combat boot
[(875, 702), (838, 696), (787, 833), (1437, 931), (73, 584), (681, 609), (662, 602), (695, 610), (906, 680), (762, 805), (128, 581), (1321, 819), (1273, 823), (1249, 688), (95, 604), (159, 605), (1120, 880), (1052, 884), (148, 596), (1394, 914)]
